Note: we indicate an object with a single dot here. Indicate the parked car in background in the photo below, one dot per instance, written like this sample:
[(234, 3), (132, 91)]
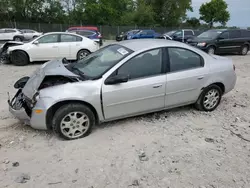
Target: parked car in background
[(218, 41), (124, 35), (121, 80), (52, 46), (89, 32), (7, 34), (143, 34), (181, 35), (30, 34)]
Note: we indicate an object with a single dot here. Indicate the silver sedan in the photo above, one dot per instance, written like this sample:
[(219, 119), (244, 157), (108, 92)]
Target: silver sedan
[(120, 80)]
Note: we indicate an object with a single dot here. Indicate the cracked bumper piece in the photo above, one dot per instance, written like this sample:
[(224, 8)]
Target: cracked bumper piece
[(35, 117)]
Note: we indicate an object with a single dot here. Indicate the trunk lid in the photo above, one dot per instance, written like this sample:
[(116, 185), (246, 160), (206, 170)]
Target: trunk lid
[(54, 67)]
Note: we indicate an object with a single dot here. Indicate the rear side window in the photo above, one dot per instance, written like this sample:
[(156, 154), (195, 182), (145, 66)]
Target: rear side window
[(85, 33), (245, 33), (70, 38), (234, 34), (181, 59)]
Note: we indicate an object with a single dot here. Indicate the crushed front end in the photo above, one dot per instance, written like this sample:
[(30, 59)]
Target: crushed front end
[(27, 104)]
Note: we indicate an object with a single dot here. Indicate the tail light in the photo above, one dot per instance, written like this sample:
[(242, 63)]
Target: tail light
[(234, 67), (99, 35)]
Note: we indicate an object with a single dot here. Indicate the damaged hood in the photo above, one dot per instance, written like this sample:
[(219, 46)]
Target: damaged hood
[(51, 68)]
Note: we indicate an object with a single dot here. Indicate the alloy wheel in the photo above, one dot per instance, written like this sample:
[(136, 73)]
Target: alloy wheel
[(74, 124), (211, 99)]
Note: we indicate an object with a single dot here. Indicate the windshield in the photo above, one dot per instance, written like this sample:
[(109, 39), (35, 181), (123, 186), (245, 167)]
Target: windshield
[(212, 34), (170, 33), (99, 62)]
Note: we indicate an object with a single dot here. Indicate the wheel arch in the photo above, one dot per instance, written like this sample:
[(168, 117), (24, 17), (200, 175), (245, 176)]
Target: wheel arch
[(82, 49), (219, 84), (52, 110), (20, 50)]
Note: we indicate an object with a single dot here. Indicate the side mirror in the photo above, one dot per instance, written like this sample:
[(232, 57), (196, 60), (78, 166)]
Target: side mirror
[(117, 79), (36, 42)]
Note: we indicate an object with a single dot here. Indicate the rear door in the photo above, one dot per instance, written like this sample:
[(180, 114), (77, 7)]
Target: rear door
[(69, 46), (187, 73), (2, 34)]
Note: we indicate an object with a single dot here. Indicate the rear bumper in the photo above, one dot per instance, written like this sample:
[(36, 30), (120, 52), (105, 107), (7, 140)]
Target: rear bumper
[(99, 41)]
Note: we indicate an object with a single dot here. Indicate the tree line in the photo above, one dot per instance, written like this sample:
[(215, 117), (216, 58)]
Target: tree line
[(165, 13)]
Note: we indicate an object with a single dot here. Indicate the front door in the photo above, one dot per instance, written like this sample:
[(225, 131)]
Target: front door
[(144, 91), (47, 48), (185, 78)]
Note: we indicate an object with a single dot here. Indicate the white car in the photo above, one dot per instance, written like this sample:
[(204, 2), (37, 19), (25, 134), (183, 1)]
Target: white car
[(56, 45), (30, 34), (7, 34)]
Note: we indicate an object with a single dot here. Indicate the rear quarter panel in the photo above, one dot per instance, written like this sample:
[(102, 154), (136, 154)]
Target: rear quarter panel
[(221, 70)]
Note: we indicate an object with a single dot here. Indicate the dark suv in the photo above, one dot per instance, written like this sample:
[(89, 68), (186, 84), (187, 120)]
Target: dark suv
[(218, 41)]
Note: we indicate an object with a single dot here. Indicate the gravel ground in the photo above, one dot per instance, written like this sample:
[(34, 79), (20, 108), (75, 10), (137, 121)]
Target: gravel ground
[(180, 148)]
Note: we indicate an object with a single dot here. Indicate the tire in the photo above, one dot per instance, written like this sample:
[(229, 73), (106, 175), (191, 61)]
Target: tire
[(244, 50), (202, 105), (18, 39), (82, 54), (211, 50), (64, 117), (34, 37), (19, 58)]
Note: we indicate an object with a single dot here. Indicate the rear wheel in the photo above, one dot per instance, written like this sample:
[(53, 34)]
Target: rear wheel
[(82, 54), (18, 39), (73, 121), (244, 50), (209, 99), (19, 58), (211, 50)]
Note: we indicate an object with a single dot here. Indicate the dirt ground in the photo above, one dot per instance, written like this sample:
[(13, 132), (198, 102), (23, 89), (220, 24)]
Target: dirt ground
[(180, 148)]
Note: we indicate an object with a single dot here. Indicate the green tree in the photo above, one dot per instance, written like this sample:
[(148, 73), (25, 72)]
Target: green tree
[(193, 22), (170, 12), (214, 11)]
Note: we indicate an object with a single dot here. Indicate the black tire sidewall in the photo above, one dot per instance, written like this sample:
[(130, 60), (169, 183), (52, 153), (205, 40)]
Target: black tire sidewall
[(205, 91), (78, 54), (16, 62), (20, 39), (66, 109), (211, 47), (245, 46)]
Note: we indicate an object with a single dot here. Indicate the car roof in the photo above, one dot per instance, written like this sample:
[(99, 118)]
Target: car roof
[(144, 44), (84, 27)]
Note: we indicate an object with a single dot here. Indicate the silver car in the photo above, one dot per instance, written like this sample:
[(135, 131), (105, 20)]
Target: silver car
[(30, 34), (120, 80)]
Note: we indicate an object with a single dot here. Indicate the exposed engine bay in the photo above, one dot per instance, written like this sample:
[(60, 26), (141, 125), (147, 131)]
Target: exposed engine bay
[(3, 51)]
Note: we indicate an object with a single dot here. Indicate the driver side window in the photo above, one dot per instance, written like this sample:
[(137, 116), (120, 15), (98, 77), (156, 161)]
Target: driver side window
[(49, 39), (143, 65)]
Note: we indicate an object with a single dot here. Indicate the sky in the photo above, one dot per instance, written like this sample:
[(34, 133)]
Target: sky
[(239, 11)]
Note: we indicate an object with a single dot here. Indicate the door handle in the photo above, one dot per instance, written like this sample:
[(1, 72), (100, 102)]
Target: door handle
[(157, 86), (200, 78)]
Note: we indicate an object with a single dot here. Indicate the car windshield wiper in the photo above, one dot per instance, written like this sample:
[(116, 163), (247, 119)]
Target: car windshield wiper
[(80, 73)]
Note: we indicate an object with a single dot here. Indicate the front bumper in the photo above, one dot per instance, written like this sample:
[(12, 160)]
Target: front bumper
[(20, 108)]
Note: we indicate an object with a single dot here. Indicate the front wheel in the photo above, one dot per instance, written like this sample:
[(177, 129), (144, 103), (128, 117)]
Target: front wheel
[(211, 50), (73, 121), (19, 58), (209, 99), (17, 39), (82, 54)]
